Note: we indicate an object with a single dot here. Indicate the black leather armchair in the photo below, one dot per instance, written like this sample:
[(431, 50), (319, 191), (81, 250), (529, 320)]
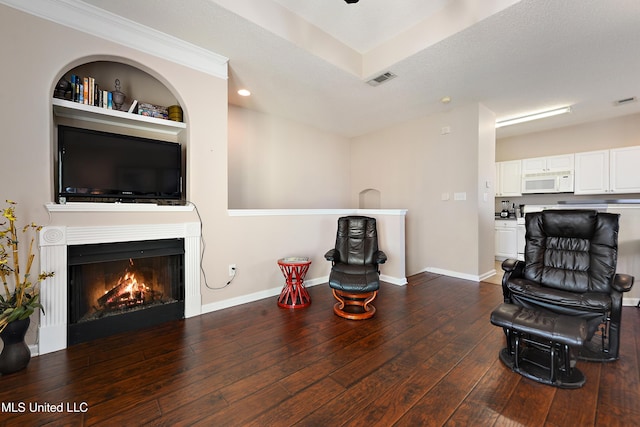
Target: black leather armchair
[(570, 269), (355, 277)]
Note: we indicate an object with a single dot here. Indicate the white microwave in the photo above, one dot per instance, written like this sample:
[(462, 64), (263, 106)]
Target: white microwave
[(548, 182)]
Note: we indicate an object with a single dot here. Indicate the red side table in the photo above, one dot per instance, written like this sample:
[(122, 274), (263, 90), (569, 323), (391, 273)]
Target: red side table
[(294, 294)]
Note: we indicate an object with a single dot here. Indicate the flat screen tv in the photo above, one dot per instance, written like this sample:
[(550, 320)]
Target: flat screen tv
[(108, 167)]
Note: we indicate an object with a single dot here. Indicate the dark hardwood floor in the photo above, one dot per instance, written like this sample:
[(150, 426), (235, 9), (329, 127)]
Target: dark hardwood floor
[(428, 357)]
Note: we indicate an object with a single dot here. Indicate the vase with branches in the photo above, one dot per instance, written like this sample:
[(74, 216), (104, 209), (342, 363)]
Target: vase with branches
[(21, 296)]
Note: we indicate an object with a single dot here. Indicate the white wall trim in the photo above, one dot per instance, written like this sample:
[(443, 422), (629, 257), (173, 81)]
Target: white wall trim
[(109, 26), (296, 212), (630, 301), (116, 207), (456, 274), (272, 292), (398, 281)]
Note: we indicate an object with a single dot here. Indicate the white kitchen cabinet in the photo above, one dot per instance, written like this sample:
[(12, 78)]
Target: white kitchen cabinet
[(506, 239), (592, 172), (608, 171), (508, 178), (624, 170), (564, 162)]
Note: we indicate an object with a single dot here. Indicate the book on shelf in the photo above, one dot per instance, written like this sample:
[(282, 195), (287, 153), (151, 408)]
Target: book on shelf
[(85, 90)]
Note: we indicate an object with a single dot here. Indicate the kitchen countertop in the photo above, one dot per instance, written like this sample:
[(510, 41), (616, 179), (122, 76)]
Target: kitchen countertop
[(505, 219), (601, 202)]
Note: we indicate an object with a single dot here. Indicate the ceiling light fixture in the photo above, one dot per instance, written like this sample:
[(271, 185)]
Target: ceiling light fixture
[(244, 92), (535, 116), (351, 1)]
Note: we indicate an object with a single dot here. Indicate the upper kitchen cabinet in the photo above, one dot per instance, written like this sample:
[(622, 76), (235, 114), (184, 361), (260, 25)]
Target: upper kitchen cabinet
[(592, 172), (624, 175), (608, 171), (548, 164), (508, 178)]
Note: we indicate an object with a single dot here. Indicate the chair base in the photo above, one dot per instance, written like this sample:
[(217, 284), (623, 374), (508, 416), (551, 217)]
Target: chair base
[(354, 306), (534, 364)]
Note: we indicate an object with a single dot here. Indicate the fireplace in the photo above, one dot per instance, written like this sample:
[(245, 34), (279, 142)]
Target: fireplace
[(56, 242), (124, 286)]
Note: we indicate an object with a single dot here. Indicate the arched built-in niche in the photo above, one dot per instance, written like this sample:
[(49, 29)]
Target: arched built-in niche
[(369, 199), (137, 83)]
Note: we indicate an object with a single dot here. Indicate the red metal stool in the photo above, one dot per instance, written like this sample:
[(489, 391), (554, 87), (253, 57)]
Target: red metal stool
[(294, 294)]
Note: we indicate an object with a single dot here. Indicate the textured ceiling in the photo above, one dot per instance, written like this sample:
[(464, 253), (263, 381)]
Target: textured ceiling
[(530, 56), (364, 25)]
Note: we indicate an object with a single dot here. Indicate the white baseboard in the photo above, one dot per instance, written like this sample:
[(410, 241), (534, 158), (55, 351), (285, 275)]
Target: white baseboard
[(268, 293), (398, 281), (458, 275)]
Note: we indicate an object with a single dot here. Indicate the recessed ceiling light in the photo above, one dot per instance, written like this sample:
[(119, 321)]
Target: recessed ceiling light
[(244, 92), (445, 99)]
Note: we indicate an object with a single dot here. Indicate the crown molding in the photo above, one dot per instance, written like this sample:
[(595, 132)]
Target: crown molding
[(109, 26)]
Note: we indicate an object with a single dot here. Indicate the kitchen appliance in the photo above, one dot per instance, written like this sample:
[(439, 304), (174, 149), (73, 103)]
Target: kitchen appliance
[(504, 213), (548, 182)]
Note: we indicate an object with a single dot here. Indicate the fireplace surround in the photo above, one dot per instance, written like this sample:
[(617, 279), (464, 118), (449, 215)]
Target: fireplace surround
[(54, 244)]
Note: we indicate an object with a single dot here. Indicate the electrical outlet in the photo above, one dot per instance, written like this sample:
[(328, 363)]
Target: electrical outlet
[(232, 269)]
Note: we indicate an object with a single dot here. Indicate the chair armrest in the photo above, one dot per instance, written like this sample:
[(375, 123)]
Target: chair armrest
[(513, 266), (622, 282), (380, 257), (513, 269), (331, 255)]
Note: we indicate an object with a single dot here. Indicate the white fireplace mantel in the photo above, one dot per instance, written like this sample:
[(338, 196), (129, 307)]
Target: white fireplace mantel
[(54, 240)]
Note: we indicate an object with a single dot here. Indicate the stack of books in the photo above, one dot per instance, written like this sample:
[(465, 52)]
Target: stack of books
[(85, 90)]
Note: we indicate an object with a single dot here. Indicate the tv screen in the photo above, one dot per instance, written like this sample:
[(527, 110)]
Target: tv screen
[(103, 166)]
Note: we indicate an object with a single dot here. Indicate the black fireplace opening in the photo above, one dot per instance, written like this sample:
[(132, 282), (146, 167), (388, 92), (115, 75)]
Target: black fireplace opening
[(124, 286)]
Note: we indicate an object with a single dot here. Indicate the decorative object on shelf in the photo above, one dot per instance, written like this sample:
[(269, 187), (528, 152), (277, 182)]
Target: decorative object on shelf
[(175, 113), (150, 110), (21, 296), (63, 89), (118, 96)]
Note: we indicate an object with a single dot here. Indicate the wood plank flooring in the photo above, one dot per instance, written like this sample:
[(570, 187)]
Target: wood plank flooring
[(428, 357)]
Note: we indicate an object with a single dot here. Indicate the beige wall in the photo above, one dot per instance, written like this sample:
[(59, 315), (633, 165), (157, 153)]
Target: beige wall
[(412, 165), (278, 164)]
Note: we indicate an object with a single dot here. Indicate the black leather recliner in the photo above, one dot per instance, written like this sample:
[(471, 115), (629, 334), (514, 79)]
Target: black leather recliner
[(355, 276), (570, 269)]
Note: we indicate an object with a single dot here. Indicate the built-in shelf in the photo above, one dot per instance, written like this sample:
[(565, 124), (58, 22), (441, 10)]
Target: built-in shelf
[(89, 113), (116, 207)]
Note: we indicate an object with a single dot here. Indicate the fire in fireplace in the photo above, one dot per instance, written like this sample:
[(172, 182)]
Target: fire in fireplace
[(119, 287)]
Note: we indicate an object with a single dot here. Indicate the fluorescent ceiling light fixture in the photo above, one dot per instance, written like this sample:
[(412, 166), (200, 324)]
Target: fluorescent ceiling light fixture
[(535, 116), (244, 92)]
